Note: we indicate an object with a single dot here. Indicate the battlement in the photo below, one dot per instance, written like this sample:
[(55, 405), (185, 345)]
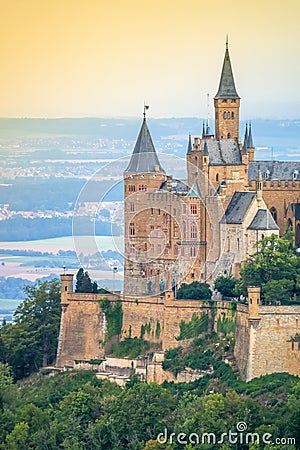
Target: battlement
[(276, 184)]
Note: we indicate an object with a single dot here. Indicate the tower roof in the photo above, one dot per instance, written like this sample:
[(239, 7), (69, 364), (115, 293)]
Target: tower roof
[(194, 191), (250, 140), (227, 86), (189, 150), (245, 144), (144, 158)]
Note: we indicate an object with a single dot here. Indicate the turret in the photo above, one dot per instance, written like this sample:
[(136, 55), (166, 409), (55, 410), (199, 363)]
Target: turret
[(66, 286), (227, 103), (250, 145), (253, 301), (244, 151)]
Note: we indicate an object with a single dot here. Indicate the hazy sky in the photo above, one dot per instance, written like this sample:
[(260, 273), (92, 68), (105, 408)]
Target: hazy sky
[(73, 58)]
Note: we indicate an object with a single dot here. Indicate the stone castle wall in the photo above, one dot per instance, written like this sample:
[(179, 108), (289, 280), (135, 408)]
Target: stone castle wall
[(263, 342)]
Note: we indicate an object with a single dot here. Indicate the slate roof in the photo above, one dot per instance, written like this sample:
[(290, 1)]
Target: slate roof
[(227, 86), (178, 186), (144, 158), (275, 170), (238, 207), (223, 151), (194, 191), (263, 220)]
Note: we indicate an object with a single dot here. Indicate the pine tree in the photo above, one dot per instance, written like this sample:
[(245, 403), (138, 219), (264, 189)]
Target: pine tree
[(79, 280)]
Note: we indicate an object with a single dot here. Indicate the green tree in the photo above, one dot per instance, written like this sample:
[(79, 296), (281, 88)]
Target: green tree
[(79, 279), (30, 342), (226, 286), (274, 259), (195, 291), (19, 438), (87, 286)]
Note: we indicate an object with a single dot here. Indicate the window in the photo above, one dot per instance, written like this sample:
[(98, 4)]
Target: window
[(175, 250), (182, 253), (228, 136), (131, 229), (233, 100), (232, 115), (131, 188), (184, 208), (224, 115), (217, 177), (228, 115), (193, 209), (224, 100), (184, 230), (194, 232), (176, 232), (158, 211), (273, 211), (174, 211), (238, 243), (131, 207), (66, 288), (159, 249), (151, 227), (151, 250), (193, 251), (152, 211), (142, 187), (165, 219)]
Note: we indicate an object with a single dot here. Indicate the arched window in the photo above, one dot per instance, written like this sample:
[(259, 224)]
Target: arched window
[(228, 115), (131, 188), (273, 211), (228, 136), (142, 187), (217, 177), (176, 232), (194, 231), (131, 229), (175, 250), (224, 115), (165, 219), (232, 115)]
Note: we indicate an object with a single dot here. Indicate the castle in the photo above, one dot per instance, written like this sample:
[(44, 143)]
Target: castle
[(195, 229)]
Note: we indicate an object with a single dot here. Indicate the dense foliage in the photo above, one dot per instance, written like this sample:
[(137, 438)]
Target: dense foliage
[(30, 341), (226, 286), (75, 411), (195, 291), (275, 267)]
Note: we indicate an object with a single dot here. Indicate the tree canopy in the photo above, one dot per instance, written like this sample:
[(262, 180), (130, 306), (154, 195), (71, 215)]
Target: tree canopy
[(195, 291), (30, 341), (275, 267)]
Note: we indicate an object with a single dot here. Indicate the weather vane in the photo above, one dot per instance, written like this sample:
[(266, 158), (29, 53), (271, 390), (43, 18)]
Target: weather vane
[(146, 107)]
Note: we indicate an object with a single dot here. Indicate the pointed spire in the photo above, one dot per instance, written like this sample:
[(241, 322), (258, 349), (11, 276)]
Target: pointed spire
[(194, 192), (205, 149), (250, 140), (259, 185), (227, 86), (144, 158), (203, 130), (245, 145), (189, 150)]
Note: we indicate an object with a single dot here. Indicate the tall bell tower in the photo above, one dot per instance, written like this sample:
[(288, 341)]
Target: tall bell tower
[(227, 103)]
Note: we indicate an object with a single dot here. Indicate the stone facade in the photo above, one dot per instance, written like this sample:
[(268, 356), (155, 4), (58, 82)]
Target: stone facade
[(264, 338)]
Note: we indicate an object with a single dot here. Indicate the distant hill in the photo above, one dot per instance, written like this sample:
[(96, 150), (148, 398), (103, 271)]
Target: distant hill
[(127, 128)]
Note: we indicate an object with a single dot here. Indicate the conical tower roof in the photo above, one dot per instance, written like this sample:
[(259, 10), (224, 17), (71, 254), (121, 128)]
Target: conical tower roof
[(227, 86), (144, 158), (189, 150), (245, 145), (250, 140)]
